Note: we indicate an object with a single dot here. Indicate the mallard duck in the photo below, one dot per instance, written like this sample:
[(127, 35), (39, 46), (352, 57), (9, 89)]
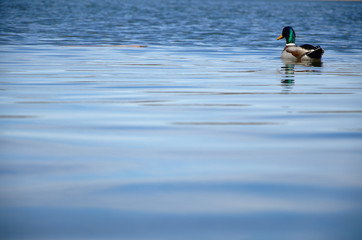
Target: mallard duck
[(303, 52)]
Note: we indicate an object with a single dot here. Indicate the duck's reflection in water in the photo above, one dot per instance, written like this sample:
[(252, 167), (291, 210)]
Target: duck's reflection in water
[(287, 80), (288, 72)]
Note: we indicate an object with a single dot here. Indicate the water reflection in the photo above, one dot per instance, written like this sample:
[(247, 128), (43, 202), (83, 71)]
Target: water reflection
[(288, 72), (287, 80)]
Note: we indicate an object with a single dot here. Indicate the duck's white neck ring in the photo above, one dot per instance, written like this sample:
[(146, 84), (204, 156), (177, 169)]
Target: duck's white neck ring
[(290, 44)]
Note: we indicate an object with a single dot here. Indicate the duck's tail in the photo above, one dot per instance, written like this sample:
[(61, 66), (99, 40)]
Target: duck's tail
[(315, 52)]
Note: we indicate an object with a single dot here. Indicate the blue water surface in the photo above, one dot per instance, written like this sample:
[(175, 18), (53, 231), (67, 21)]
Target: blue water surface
[(204, 134)]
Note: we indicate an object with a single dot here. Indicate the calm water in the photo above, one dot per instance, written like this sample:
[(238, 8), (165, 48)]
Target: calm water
[(204, 134)]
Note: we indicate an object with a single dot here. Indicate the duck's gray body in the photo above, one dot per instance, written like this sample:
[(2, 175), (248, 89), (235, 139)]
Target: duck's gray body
[(303, 52)]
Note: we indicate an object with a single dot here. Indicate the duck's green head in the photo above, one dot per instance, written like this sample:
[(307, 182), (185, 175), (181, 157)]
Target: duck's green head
[(289, 35)]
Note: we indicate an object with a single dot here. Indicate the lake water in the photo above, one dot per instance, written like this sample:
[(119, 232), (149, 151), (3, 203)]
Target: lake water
[(204, 134)]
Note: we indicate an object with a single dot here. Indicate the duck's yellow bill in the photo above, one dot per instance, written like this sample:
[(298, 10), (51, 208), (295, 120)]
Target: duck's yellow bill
[(280, 37)]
